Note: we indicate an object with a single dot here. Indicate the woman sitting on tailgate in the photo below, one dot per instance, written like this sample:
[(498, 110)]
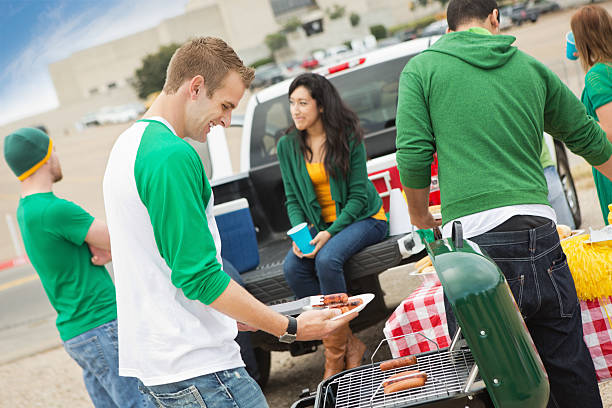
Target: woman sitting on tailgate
[(323, 164)]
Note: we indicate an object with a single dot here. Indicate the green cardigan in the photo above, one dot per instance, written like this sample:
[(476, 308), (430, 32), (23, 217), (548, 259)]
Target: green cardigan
[(356, 198)]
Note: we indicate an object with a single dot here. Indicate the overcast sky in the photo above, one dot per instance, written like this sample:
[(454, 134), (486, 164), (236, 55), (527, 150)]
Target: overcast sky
[(34, 33)]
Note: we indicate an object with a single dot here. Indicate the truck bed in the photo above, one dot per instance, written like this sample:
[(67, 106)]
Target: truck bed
[(267, 282)]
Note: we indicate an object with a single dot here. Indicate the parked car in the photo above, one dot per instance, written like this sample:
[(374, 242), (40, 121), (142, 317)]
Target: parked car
[(89, 119), (505, 21), (543, 6), (267, 74), (310, 63), (407, 35), (120, 114), (522, 13), (385, 42), (435, 28), (291, 69)]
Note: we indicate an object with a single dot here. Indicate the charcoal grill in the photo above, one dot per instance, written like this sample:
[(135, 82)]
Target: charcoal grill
[(492, 361), (451, 380)]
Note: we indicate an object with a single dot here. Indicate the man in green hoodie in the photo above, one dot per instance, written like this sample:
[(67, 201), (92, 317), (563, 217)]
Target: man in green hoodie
[(483, 106)]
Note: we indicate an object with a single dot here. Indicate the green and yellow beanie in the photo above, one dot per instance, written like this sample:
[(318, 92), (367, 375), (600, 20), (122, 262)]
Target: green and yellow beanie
[(25, 150)]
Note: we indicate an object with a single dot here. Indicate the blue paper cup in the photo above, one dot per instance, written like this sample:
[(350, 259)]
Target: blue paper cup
[(570, 46), (301, 236)]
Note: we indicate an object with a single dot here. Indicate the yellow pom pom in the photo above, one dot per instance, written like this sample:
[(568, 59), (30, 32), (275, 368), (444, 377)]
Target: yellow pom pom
[(590, 265)]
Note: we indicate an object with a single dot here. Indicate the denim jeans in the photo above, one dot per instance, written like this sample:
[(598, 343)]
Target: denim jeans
[(96, 352), (325, 273), (224, 389), (536, 270), (244, 337), (557, 199)]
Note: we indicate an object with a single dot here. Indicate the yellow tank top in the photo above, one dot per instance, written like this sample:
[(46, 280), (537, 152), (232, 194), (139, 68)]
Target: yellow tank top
[(320, 183)]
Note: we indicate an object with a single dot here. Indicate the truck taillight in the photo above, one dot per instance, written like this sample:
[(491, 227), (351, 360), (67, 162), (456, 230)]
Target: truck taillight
[(345, 65)]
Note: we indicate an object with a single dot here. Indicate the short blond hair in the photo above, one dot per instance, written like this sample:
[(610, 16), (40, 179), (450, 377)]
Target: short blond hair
[(207, 56)]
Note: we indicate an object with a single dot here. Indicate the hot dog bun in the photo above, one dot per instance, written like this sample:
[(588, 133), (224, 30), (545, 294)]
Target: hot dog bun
[(564, 231), (398, 363), (422, 263)]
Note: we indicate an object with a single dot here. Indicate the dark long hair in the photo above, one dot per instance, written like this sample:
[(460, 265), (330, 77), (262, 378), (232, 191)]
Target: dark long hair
[(341, 124)]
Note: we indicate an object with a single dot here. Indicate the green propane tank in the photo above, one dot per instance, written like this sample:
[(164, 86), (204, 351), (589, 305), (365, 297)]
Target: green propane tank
[(491, 323)]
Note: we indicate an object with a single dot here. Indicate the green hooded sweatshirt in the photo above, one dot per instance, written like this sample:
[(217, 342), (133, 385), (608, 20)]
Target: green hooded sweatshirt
[(483, 106)]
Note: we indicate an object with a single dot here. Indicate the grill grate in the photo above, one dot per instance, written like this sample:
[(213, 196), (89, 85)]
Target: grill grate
[(447, 373)]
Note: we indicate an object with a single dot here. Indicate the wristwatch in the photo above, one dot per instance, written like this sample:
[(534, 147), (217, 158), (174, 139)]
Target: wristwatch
[(291, 333)]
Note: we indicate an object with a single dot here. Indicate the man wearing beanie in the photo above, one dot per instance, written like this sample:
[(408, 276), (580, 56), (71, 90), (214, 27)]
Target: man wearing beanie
[(58, 236), (491, 178)]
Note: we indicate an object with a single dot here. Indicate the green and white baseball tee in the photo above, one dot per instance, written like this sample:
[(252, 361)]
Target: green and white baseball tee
[(166, 258)]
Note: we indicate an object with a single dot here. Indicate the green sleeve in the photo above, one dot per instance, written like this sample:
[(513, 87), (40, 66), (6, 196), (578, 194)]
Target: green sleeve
[(357, 183), (68, 221), (173, 187), (415, 139), (545, 157), (294, 211), (598, 82), (566, 119)]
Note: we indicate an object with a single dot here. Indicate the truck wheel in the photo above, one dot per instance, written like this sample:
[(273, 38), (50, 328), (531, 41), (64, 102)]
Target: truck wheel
[(263, 358), (568, 183)]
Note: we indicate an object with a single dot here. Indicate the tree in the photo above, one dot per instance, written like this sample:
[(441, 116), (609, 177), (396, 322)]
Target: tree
[(150, 77), (379, 31), (354, 18), (336, 12), (292, 25), (276, 41)]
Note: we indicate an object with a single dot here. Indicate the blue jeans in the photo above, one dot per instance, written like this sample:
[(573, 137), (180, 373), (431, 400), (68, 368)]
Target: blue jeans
[(557, 199), (224, 389), (536, 270), (325, 273), (244, 337), (96, 352)]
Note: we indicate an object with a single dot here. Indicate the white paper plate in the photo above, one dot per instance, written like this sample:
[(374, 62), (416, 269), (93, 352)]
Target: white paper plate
[(366, 298)]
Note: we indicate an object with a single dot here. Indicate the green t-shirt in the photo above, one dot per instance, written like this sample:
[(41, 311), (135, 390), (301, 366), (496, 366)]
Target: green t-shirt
[(597, 92), (53, 232)]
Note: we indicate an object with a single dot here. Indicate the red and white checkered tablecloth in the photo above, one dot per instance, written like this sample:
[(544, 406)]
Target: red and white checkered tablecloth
[(598, 334), (422, 311)]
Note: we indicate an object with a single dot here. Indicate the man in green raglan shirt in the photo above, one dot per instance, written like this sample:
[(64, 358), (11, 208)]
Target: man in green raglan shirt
[(60, 239), (177, 308), (483, 106)]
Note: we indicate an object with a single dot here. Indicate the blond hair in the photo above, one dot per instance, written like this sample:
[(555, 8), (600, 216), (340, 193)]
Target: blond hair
[(207, 56), (592, 28)]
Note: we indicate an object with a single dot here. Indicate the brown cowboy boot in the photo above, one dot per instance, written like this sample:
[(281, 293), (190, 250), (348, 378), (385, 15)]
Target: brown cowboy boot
[(335, 350), (355, 349)]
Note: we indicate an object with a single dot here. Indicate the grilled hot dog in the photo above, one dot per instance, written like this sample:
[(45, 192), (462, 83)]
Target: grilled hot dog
[(335, 298), (398, 363), (402, 385), (404, 375)]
